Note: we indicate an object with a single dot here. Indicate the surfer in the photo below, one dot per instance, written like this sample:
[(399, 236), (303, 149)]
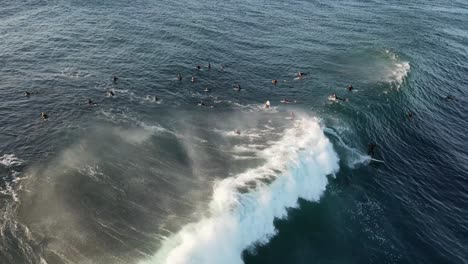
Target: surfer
[(371, 149), (44, 115), (333, 97), (237, 87), (450, 97), (207, 89), (91, 102), (202, 104), (274, 82), (27, 94), (198, 67), (350, 88), (267, 104), (410, 114), (193, 79), (110, 93), (179, 77), (238, 132), (114, 79), (209, 66), (300, 75), (287, 101)]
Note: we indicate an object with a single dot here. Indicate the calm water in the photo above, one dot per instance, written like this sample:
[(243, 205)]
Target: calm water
[(151, 175)]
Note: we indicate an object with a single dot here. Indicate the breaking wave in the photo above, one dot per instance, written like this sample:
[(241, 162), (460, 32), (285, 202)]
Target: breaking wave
[(243, 207)]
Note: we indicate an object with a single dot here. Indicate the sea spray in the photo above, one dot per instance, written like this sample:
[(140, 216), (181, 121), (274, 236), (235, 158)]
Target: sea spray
[(243, 207)]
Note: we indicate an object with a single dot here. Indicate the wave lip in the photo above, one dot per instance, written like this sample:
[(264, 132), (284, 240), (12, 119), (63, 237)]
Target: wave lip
[(243, 208)]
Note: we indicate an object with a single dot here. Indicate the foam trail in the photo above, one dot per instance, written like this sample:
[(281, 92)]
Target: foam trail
[(357, 156), (243, 208)]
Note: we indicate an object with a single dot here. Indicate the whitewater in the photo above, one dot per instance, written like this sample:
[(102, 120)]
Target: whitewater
[(243, 207)]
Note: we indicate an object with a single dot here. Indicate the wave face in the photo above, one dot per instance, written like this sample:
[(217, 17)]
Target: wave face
[(243, 208)]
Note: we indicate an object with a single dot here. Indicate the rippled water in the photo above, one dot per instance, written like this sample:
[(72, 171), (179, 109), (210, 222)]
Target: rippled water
[(150, 176)]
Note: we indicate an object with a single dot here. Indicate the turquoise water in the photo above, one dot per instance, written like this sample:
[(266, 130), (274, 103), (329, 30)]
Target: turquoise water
[(140, 179)]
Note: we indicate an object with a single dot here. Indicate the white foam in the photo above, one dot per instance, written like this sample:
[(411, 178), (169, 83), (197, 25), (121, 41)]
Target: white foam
[(237, 157), (296, 166), (242, 148), (9, 160), (7, 188), (93, 172), (249, 133), (398, 71)]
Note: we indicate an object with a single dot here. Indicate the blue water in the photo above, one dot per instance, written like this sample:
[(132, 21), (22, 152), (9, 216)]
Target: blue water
[(122, 181)]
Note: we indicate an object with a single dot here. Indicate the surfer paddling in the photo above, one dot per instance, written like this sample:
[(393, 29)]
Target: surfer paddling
[(202, 104), (300, 75), (350, 88), (333, 97), (287, 101), (44, 116), (274, 82), (237, 87), (91, 103)]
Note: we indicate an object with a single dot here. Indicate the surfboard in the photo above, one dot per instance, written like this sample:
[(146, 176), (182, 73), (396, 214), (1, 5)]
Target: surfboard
[(376, 160)]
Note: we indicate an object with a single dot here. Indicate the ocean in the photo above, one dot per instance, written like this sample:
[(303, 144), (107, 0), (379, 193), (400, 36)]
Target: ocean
[(135, 165)]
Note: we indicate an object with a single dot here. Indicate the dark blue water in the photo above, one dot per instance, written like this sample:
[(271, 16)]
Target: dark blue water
[(152, 175)]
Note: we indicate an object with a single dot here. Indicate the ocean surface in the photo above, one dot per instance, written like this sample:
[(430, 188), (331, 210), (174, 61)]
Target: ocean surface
[(158, 170)]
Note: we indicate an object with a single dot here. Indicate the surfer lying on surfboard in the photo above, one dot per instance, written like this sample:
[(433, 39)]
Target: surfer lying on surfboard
[(300, 75), (335, 98), (286, 101)]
